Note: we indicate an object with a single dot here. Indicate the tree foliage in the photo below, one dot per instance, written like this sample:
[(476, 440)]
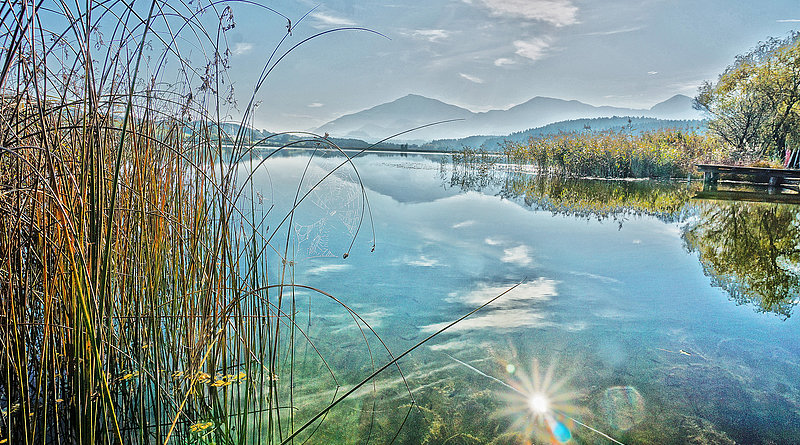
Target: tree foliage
[(755, 103)]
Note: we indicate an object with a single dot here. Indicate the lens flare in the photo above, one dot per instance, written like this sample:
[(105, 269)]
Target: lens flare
[(539, 403), (558, 430)]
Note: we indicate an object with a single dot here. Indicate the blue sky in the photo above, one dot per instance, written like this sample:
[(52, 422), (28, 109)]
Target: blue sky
[(490, 54)]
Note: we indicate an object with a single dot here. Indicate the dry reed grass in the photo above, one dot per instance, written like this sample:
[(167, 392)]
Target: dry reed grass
[(131, 311)]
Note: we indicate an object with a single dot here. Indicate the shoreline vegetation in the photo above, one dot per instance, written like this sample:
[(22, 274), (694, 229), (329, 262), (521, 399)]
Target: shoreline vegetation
[(653, 154)]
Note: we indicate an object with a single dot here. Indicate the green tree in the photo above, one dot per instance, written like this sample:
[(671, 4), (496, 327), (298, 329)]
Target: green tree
[(755, 103)]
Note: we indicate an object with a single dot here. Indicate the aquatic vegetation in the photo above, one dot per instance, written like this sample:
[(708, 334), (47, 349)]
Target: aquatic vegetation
[(661, 153), (472, 169)]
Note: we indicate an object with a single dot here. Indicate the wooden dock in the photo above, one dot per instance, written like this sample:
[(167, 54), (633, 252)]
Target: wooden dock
[(749, 196), (772, 176)]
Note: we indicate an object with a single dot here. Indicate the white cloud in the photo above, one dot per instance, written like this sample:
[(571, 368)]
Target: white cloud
[(471, 78), (492, 242), (503, 61), (533, 49), (327, 268), (539, 290), (597, 277), (556, 12), (431, 35), (788, 20), (423, 261), (316, 105), (513, 310), (519, 255), (462, 224), (495, 320), (652, 73), (688, 87), (416, 261), (332, 20), (615, 31), (241, 48)]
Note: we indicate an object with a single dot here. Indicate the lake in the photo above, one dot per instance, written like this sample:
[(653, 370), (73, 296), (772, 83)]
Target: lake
[(639, 314)]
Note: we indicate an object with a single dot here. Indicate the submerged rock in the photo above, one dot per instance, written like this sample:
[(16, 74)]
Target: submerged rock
[(623, 407)]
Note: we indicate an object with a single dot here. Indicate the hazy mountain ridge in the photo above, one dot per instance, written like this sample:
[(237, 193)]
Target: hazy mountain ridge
[(232, 132), (414, 110), (616, 123)]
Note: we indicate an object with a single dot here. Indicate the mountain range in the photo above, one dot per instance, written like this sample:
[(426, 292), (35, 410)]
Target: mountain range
[(629, 125), (414, 110)]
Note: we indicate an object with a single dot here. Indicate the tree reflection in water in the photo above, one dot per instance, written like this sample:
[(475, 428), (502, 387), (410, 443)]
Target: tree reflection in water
[(599, 198), (750, 250)]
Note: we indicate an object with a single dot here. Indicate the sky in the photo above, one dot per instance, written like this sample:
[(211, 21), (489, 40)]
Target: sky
[(490, 54)]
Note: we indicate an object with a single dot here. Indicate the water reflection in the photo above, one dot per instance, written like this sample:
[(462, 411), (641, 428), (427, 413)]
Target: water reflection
[(520, 309), (601, 199), (652, 353), (751, 250), (586, 198)]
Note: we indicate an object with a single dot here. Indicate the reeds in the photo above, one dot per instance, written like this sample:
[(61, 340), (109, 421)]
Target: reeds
[(139, 298), (662, 153)]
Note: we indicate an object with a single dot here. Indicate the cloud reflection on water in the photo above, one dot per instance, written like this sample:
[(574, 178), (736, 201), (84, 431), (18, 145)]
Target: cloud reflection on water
[(514, 310), (519, 255), (327, 268)]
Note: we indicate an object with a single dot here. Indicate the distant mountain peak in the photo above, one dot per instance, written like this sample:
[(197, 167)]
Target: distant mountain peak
[(677, 106), (415, 110)]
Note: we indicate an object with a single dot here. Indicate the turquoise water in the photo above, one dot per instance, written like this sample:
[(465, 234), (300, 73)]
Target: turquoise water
[(636, 317)]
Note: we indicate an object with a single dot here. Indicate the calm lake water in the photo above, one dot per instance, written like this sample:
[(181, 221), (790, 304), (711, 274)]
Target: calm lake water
[(640, 315)]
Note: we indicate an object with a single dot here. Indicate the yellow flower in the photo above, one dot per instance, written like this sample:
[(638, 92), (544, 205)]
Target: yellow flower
[(130, 375), (201, 426), (203, 377)]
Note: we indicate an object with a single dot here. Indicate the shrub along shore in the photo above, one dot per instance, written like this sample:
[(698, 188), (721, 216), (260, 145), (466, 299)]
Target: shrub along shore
[(654, 154)]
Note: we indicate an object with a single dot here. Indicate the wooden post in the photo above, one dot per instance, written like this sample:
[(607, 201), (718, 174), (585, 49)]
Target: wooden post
[(710, 179)]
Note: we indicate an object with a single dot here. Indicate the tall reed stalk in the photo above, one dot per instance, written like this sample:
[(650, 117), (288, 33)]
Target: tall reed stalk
[(135, 300)]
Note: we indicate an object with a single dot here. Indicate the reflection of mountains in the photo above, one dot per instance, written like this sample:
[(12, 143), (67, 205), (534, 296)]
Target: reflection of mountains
[(750, 250)]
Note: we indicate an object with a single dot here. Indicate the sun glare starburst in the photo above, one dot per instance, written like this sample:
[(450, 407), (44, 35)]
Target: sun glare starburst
[(539, 405)]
